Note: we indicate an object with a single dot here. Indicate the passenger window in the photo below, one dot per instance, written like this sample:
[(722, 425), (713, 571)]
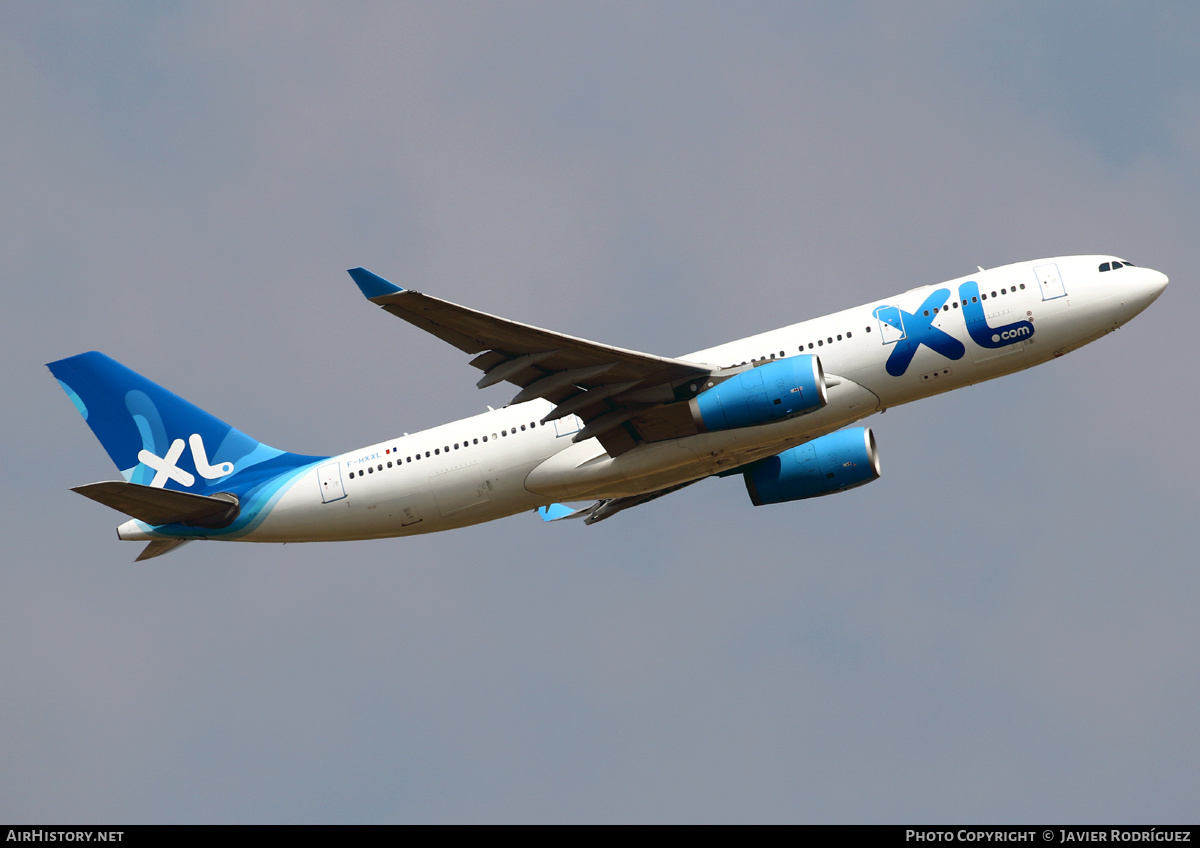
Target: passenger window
[(820, 343), (370, 470), (389, 463)]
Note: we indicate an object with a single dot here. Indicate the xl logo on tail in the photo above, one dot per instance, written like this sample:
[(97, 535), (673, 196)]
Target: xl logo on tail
[(166, 469)]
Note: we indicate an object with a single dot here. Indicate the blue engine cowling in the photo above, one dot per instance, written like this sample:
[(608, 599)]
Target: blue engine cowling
[(830, 464), (770, 392)]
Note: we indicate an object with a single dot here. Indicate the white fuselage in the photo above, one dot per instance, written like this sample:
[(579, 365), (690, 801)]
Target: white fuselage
[(504, 461)]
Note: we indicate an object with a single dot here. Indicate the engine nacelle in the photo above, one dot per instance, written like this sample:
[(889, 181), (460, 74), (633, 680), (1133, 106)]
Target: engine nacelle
[(824, 466), (770, 392)]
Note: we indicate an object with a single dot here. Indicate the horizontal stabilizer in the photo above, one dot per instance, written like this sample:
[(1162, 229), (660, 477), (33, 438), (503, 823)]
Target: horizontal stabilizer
[(160, 547), (163, 506)]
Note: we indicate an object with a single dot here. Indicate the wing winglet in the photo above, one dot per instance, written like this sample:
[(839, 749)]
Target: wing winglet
[(372, 285), (557, 512)]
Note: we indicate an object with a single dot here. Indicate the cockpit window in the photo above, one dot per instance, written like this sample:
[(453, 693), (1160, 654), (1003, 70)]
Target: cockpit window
[(1121, 263), (1106, 266)]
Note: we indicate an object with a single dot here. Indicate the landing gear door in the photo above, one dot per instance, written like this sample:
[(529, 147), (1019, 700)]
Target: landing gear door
[(330, 478), (891, 324), (1050, 281)]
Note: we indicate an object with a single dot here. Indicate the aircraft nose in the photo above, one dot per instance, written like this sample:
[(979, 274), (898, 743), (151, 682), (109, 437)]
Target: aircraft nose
[(1158, 280), (1152, 284), (1144, 287)]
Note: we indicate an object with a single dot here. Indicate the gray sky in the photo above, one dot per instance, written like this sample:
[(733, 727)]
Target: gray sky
[(1001, 629)]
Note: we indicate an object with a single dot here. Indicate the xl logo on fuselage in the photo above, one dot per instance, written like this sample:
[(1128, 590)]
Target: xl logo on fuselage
[(166, 469), (908, 331), (977, 326)]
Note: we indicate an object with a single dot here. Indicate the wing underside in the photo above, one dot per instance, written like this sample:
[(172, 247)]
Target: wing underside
[(607, 507), (624, 397)]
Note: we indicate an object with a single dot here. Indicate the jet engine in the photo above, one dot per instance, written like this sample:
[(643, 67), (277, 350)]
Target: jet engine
[(824, 466), (771, 392)]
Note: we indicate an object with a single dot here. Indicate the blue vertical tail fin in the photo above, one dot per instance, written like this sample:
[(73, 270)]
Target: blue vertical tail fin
[(158, 439)]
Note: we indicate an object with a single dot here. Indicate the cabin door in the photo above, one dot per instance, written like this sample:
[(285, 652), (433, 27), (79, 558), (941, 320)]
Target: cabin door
[(1050, 281), (330, 478)]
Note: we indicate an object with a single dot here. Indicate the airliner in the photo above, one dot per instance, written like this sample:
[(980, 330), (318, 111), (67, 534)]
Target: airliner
[(602, 426)]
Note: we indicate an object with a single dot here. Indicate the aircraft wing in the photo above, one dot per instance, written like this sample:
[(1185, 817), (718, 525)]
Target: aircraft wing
[(606, 508), (623, 397)]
